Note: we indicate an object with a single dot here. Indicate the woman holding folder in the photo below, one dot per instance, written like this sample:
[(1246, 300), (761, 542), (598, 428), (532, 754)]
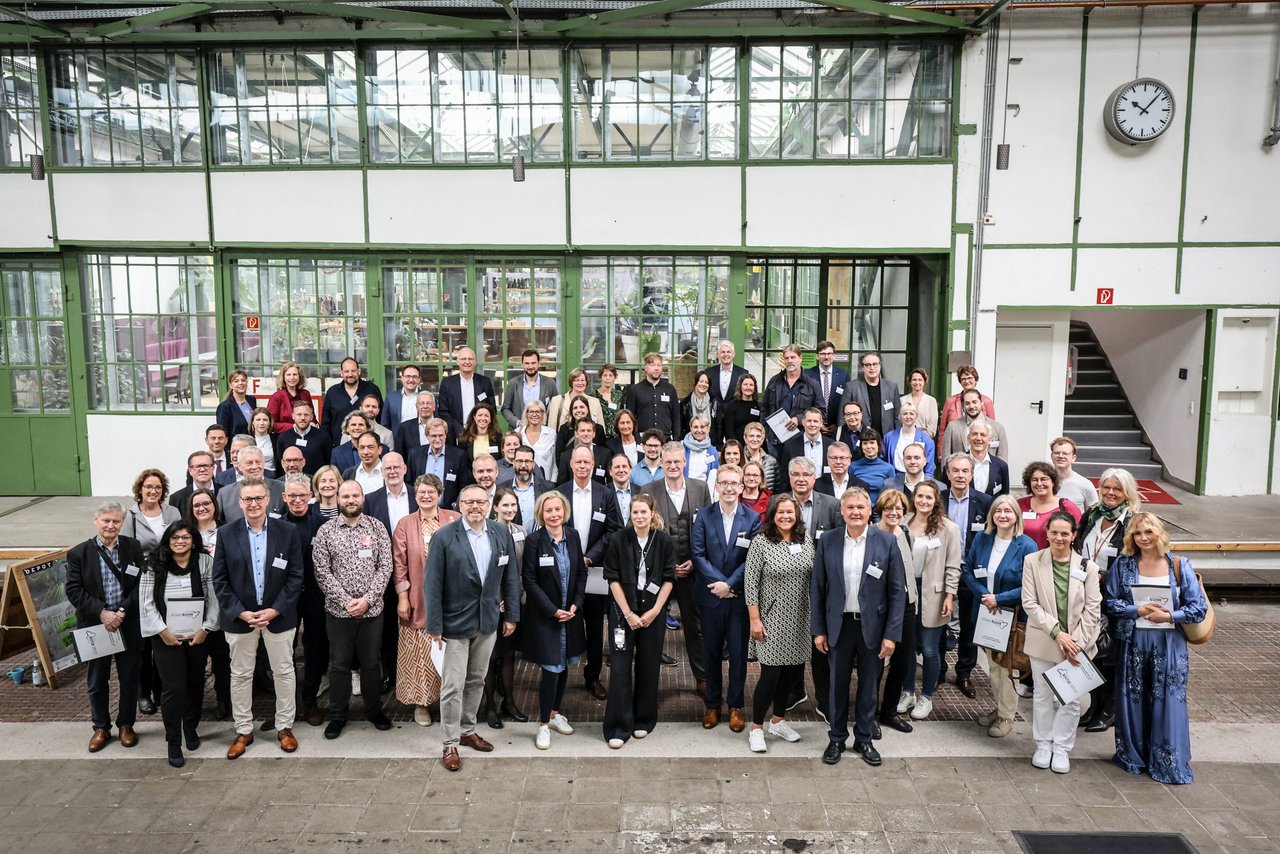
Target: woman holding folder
[(1063, 603), (993, 574), (1153, 733), (179, 608)]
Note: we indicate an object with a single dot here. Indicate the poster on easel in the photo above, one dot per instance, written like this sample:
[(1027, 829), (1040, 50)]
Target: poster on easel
[(36, 613)]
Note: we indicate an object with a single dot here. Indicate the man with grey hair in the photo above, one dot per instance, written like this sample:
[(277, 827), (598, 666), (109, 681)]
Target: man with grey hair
[(968, 509), (412, 434), (231, 475), (990, 473), (102, 585), (250, 464), (724, 375)]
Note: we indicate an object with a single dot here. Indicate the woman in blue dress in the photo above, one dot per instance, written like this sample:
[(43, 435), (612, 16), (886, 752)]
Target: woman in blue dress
[(1153, 733)]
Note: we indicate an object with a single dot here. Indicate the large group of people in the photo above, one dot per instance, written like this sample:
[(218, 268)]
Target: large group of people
[(818, 519)]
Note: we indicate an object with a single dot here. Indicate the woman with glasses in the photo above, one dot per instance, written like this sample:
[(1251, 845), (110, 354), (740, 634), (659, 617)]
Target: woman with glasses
[(148, 519), (537, 435), (202, 512)]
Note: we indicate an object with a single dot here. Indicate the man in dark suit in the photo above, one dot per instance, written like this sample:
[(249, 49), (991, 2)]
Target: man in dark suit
[(306, 437), (856, 600), (257, 574), (878, 395), (472, 590), (216, 439), (679, 499), (837, 479), (527, 484), (622, 486), (393, 412), (102, 585), (831, 381), (447, 462), (249, 462), (389, 505), (990, 473), (345, 397), (292, 461), (968, 508), (413, 433), (722, 533), (233, 474), (724, 376), (199, 476), (810, 444), (460, 392), (526, 388), (593, 513), (584, 434)]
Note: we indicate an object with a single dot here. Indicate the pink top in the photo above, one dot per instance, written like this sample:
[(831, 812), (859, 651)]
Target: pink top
[(1037, 528)]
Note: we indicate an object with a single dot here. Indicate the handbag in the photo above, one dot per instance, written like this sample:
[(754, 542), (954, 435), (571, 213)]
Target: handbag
[(1013, 658), (1201, 632)]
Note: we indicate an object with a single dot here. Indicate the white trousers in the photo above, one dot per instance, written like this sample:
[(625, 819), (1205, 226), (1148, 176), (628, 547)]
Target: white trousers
[(244, 657), (1052, 724)]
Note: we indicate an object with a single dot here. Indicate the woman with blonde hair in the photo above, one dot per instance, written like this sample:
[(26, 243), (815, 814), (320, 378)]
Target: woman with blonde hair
[(559, 411), (935, 553), (291, 386)]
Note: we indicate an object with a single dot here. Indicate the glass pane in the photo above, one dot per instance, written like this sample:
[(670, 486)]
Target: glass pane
[(897, 285), (24, 390), (797, 72), (20, 342), (893, 329), (56, 388)]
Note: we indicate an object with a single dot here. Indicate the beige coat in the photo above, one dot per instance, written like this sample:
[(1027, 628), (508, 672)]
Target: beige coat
[(558, 410), (908, 566), (941, 574), (1084, 606)]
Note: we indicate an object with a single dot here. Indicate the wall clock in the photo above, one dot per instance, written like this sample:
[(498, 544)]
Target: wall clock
[(1139, 111)]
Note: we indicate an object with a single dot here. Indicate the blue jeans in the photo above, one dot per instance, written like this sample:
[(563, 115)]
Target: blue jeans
[(932, 659)]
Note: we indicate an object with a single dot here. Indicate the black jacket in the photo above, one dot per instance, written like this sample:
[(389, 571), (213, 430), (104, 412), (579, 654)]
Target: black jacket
[(622, 564), (540, 630), (654, 406), (84, 581)]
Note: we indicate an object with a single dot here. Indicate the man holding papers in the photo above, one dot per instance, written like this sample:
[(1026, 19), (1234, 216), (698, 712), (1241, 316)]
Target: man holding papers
[(102, 584)]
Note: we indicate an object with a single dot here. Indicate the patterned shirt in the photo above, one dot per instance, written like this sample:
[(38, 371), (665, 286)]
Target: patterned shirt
[(352, 561)]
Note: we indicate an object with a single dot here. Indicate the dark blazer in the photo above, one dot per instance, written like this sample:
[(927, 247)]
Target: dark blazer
[(458, 604), (979, 507), (998, 481), (600, 472), (713, 375), (455, 463), (345, 455), (839, 383), (375, 505), (826, 486), (565, 436), (228, 414), (794, 447), (233, 575), (227, 478), (601, 529), (180, 497), (880, 600), (316, 451), (717, 559), (337, 404), (622, 564), (513, 397), (1008, 575), (84, 581), (805, 396), (540, 630), (825, 515), (389, 417), (884, 420), (449, 400)]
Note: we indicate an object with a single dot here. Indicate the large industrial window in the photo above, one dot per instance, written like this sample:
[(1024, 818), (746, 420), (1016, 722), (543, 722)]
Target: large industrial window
[(305, 310), (125, 107), (659, 102), (283, 105), (151, 332), (424, 317), (34, 353), (520, 308), (464, 105), (633, 306), (850, 100), (20, 129)]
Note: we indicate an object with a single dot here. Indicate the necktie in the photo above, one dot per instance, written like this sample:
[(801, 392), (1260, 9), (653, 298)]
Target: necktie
[(826, 388), (217, 467)]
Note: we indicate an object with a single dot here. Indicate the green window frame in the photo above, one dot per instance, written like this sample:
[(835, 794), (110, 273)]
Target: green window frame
[(151, 332), (849, 100), (21, 130), (425, 316), (655, 102), (283, 106), (520, 305), (312, 311), (123, 107), (459, 105), (34, 348)]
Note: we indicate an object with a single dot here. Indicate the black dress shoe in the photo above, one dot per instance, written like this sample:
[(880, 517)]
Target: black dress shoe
[(175, 755), (598, 690), (668, 660), (334, 729), (379, 720), (193, 741), (493, 719), (966, 687), (832, 754), (868, 752), (146, 707), (895, 722), (514, 712), (1101, 723), (876, 734)]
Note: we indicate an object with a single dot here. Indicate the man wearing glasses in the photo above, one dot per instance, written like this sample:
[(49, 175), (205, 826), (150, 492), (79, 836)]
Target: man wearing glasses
[(649, 468), (257, 573), (878, 395), (199, 476)]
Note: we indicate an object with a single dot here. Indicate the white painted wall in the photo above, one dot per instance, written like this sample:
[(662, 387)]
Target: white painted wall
[(288, 207), (149, 441), (687, 206), (141, 207), (1146, 349), (25, 221)]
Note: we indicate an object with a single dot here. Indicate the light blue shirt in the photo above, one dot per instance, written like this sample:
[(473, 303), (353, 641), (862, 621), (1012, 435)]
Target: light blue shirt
[(527, 502), (258, 553), (958, 512), (435, 463), (480, 549), (624, 502), (529, 393)]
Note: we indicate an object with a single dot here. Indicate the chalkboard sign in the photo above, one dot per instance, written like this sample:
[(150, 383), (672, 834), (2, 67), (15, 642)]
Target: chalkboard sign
[(41, 587)]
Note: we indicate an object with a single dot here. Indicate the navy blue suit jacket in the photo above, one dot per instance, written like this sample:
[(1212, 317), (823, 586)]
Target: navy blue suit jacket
[(455, 463), (228, 414), (449, 400), (375, 505), (713, 376), (233, 575), (600, 531), (716, 559), (346, 456), (839, 379), (979, 507), (880, 600)]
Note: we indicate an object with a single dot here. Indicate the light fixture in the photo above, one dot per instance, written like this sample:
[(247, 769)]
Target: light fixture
[(37, 167), (1002, 150)]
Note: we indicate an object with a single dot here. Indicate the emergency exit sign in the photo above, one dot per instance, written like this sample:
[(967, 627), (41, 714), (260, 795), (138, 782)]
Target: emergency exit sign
[(1106, 296)]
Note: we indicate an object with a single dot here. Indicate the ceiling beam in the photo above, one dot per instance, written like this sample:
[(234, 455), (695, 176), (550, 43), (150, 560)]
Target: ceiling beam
[(990, 14), (30, 23), (647, 10), (393, 16), (150, 20), (902, 13)]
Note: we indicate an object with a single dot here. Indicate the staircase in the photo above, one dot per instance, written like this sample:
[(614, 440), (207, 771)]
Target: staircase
[(1098, 417)]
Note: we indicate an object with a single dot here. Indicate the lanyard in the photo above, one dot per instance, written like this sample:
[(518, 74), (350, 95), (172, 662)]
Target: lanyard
[(642, 572)]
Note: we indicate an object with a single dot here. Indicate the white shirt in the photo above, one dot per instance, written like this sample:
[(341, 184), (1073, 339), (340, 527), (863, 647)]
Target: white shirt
[(726, 383), (633, 453), (468, 388), (726, 519), (981, 473), (813, 452), (697, 465), (998, 548), (904, 439), (854, 553), (677, 498), (397, 506), (839, 488), (582, 512), (409, 407), (369, 481)]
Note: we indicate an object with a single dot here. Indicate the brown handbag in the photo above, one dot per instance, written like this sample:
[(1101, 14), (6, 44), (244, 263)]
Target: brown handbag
[(1013, 658), (1201, 632)]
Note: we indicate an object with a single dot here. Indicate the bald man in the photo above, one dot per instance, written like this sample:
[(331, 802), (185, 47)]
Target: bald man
[(460, 392)]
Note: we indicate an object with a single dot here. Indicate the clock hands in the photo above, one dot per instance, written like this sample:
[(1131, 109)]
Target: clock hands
[(1143, 109)]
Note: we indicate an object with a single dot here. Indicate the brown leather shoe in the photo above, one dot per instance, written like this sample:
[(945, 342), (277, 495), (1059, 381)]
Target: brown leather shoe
[(701, 690), (99, 740), (237, 748), (313, 715), (737, 720), (597, 690), (287, 742), (128, 738), (711, 718), (966, 688), (451, 760), (475, 742)]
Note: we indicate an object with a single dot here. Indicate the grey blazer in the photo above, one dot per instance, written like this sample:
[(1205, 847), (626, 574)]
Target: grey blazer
[(458, 605), (513, 398), (228, 499), (824, 516), (884, 420)]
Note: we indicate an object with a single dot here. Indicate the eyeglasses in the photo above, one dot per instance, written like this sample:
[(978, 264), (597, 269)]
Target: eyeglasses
[(203, 505), (202, 465), (181, 538), (474, 501), (729, 484), (255, 499), (302, 497), (870, 364)]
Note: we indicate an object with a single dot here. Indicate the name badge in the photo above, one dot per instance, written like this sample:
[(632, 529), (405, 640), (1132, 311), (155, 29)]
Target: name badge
[(839, 389), (1078, 574), (597, 516), (888, 405), (518, 536), (301, 443), (977, 527), (546, 560), (280, 563), (450, 476), (755, 411), (599, 472), (980, 572), (933, 543), (874, 571), (1029, 515), (995, 443), (826, 469), (611, 404), (742, 542), (503, 560), (795, 548), (274, 515), (817, 535), (652, 588), (482, 396), (1108, 551), (664, 398), (365, 553), (131, 570), (997, 486)]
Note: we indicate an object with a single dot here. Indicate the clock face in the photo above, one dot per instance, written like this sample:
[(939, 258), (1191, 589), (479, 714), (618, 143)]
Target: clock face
[(1139, 111)]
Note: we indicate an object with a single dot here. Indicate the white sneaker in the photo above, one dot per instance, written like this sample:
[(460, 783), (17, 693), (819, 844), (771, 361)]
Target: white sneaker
[(755, 740), (422, 716), (782, 730), (923, 708), (614, 743), (640, 733), (905, 702), (1061, 763), (1042, 757), (561, 725), (543, 741), (1022, 690)]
